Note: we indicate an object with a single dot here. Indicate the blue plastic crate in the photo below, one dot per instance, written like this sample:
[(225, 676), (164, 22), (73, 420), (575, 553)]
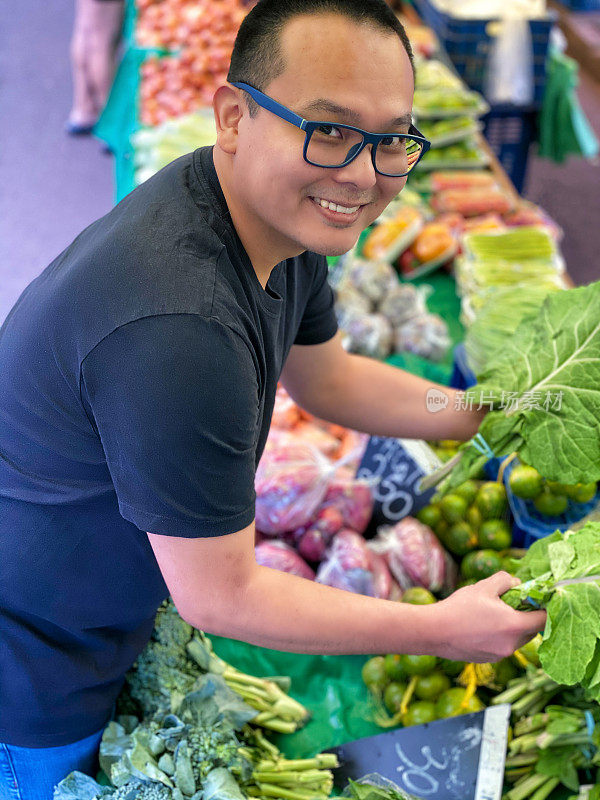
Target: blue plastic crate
[(468, 43), (529, 525), (510, 131)]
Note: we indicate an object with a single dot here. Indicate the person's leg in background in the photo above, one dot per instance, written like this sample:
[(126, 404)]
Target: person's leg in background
[(31, 773), (94, 44)]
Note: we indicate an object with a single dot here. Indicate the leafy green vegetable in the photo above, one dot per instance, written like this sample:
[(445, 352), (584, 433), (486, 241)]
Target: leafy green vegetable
[(570, 649), (221, 785), (545, 389)]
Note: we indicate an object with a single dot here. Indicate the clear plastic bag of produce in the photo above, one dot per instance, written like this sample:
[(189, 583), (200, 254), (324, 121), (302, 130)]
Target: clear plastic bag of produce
[(351, 566), (426, 336), (373, 279), (352, 498), (404, 302), (369, 335), (279, 555), (413, 554), (291, 482)]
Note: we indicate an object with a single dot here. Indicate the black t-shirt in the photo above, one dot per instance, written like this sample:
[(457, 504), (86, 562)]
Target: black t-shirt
[(136, 390)]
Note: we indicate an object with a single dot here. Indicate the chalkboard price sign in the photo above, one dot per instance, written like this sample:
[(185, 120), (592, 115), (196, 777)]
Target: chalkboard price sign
[(461, 758), (396, 467)]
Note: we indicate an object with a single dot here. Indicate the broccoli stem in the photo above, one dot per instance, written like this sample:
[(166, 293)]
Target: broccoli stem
[(526, 786), (544, 790), (521, 760), (287, 794), (533, 722)]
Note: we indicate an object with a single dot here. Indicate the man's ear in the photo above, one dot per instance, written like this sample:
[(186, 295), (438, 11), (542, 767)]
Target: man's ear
[(229, 109)]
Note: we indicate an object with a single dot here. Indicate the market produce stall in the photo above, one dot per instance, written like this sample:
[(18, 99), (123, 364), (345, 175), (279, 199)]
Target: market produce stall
[(459, 279)]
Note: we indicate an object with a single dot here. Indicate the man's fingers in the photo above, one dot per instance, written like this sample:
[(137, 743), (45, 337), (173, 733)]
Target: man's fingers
[(534, 621), (500, 582)]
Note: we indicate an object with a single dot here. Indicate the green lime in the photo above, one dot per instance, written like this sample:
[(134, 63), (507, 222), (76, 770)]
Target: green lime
[(418, 596), (510, 564), (449, 704), (525, 482), (452, 668), (441, 530), (550, 504), (491, 500), (582, 492), (419, 713), (429, 687), (429, 515), (473, 517), (392, 696), (468, 490), (556, 487), (392, 664), (374, 674), (504, 671), (418, 665), (495, 534), (453, 508), (460, 538), (481, 564), (530, 650)]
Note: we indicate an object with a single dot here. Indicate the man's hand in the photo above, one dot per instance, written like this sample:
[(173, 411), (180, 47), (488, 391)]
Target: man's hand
[(480, 626), (217, 586), (373, 397)]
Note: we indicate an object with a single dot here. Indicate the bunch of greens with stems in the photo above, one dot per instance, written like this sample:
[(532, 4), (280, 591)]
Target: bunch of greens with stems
[(552, 356)]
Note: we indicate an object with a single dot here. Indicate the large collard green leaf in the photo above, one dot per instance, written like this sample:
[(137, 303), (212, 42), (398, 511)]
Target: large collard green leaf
[(544, 387), (570, 652), (553, 361), (574, 612)]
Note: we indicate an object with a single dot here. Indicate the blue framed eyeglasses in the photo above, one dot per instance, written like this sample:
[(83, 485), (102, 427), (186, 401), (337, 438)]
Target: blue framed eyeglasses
[(332, 145)]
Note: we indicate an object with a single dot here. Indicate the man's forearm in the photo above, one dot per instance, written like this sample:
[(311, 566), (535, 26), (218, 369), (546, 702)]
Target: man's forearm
[(288, 613), (385, 401)]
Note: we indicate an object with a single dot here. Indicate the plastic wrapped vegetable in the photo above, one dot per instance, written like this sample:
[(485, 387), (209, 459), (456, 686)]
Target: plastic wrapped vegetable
[(371, 335), (402, 303), (373, 279), (353, 498), (472, 202), (426, 336), (291, 482), (413, 554), (350, 566), (279, 555)]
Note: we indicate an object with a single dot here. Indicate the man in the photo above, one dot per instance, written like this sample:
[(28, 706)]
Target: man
[(139, 373)]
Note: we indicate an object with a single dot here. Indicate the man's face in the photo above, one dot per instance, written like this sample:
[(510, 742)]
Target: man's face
[(330, 62)]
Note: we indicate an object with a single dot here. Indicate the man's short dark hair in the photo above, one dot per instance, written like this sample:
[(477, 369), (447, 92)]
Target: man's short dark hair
[(257, 58)]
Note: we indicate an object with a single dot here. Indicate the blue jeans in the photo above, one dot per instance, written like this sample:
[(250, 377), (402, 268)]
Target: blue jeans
[(31, 773)]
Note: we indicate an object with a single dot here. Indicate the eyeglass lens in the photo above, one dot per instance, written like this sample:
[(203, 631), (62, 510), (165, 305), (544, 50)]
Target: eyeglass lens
[(331, 146)]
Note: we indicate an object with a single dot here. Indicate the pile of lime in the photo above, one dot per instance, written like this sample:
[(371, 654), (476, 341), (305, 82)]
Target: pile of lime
[(472, 523), (549, 498)]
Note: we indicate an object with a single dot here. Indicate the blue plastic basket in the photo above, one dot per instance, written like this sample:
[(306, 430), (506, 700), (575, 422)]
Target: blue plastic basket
[(468, 43), (529, 525)]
